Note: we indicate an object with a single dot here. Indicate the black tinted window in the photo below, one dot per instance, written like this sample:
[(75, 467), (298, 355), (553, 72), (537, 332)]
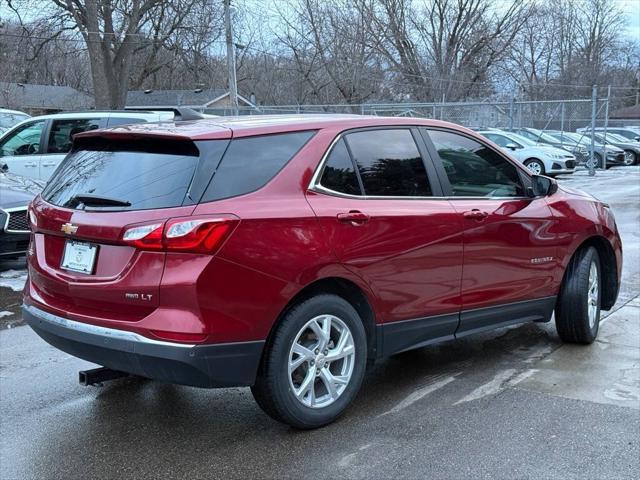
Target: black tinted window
[(146, 179), (339, 174), (114, 121), (389, 163), (249, 163), (62, 132), (473, 169)]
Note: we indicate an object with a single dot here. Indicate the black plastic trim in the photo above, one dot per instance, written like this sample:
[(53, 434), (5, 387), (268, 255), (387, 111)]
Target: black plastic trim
[(395, 337), (208, 366), (409, 334), (479, 320)]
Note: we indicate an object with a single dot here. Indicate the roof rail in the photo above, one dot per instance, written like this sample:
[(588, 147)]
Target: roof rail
[(180, 113)]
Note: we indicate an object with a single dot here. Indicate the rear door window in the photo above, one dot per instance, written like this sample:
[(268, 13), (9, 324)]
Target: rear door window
[(251, 162), (339, 173), (62, 132), (389, 163), (143, 175)]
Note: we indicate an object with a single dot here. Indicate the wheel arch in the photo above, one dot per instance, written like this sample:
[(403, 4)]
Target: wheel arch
[(608, 266), (349, 291)]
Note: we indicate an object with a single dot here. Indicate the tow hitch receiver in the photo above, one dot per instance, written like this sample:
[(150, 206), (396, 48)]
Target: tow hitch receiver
[(100, 375)]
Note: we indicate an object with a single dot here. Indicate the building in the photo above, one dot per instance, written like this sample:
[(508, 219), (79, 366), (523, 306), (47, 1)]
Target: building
[(627, 113), (211, 100), (42, 99)]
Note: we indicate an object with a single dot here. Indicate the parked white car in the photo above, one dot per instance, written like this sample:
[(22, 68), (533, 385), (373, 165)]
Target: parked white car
[(9, 118), (36, 146), (539, 159)]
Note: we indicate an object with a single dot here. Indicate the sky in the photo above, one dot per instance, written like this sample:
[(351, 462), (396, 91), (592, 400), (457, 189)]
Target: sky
[(632, 10)]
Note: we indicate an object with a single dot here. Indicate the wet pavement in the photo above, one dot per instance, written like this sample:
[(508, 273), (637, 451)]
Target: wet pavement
[(511, 403)]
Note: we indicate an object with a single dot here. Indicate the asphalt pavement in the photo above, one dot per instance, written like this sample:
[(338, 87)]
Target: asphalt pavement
[(513, 403)]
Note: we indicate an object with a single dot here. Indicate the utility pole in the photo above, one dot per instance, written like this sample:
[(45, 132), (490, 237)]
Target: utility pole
[(231, 58), (606, 117), (594, 101)]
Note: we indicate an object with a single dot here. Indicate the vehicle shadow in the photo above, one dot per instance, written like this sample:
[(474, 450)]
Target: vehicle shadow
[(159, 429)]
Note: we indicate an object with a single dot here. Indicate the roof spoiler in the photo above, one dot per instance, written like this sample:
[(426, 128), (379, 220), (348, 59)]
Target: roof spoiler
[(180, 113)]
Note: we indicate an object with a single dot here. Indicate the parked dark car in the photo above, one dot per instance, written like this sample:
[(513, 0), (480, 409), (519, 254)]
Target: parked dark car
[(580, 152), (15, 194), (285, 253), (613, 154), (631, 148)]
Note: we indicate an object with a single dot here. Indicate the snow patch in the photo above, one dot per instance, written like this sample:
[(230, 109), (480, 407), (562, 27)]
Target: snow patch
[(13, 279)]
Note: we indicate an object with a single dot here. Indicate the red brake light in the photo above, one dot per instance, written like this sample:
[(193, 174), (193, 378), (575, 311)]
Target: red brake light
[(197, 234), (146, 237), (186, 234)]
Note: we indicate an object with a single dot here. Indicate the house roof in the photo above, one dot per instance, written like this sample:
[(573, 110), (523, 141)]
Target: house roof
[(178, 98), (627, 113), (47, 97)]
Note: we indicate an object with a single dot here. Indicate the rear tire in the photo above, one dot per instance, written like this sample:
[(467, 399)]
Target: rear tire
[(578, 305), (302, 382), (535, 166)]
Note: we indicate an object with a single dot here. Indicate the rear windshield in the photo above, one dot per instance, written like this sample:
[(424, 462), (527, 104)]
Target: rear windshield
[(158, 178), (140, 174)]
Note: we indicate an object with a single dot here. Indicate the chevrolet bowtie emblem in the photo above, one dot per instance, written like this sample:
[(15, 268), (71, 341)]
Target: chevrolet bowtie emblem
[(69, 228)]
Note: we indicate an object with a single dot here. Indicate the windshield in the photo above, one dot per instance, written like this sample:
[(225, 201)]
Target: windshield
[(8, 120), (582, 139), (614, 137), (140, 179), (563, 137), (522, 140)]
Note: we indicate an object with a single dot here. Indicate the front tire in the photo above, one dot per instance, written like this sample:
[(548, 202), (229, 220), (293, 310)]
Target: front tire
[(535, 166), (578, 306), (630, 158), (314, 364)]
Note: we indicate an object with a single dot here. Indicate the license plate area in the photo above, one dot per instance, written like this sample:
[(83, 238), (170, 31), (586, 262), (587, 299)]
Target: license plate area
[(79, 257)]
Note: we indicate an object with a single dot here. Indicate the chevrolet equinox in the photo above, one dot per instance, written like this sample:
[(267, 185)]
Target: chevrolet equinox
[(285, 253)]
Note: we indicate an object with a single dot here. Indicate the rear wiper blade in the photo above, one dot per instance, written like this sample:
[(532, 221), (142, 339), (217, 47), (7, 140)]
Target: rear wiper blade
[(95, 201)]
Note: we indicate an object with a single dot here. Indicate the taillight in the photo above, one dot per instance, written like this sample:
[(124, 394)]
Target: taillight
[(148, 237), (186, 234)]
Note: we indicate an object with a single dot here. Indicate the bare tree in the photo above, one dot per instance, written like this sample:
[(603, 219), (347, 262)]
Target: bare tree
[(332, 49)]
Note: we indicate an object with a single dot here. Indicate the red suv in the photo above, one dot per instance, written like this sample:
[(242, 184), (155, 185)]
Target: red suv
[(286, 252)]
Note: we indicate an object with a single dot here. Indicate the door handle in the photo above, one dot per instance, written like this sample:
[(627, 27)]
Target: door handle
[(475, 214), (354, 217), (49, 164), (30, 164)]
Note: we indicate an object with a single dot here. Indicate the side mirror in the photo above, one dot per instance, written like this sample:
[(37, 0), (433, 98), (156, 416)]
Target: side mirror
[(543, 186), (512, 146), (4, 167)]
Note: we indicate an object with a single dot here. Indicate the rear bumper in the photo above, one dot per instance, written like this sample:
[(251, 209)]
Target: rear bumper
[(209, 366)]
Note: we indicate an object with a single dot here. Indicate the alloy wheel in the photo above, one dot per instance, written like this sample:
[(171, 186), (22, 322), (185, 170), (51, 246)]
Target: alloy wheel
[(592, 296), (321, 361), (535, 168), (629, 158)]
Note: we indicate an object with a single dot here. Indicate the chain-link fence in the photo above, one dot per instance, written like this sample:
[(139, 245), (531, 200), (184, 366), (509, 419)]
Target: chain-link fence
[(554, 117)]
